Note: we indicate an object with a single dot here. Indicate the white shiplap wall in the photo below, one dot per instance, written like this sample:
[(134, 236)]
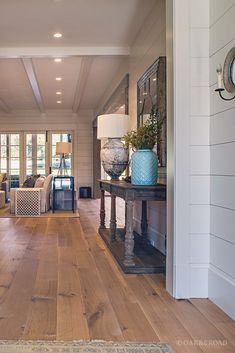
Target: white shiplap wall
[(149, 44), (222, 149), (199, 202), (147, 47)]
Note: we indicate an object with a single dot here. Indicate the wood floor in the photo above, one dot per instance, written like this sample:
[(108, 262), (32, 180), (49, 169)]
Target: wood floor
[(58, 281)]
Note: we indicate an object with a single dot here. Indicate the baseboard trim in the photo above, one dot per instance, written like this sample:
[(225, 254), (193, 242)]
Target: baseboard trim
[(222, 290)]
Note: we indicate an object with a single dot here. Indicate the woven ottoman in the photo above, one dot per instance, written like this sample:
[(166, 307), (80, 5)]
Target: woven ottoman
[(2, 198)]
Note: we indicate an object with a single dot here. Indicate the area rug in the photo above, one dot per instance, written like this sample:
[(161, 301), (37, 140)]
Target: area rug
[(5, 213), (81, 347)]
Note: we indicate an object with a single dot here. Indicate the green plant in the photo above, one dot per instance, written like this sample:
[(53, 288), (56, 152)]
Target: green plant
[(146, 136)]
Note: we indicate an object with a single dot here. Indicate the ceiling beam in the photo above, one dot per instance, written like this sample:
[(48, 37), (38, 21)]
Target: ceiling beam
[(62, 51), (82, 81), (28, 65), (4, 107)]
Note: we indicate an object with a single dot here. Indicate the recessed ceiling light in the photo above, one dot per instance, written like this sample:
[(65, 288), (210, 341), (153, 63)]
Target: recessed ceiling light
[(59, 93), (58, 78), (58, 60), (59, 102), (154, 79), (57, 35)]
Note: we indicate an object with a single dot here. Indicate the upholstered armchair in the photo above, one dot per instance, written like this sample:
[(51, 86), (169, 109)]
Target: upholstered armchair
[(4, 185), (44, 195)]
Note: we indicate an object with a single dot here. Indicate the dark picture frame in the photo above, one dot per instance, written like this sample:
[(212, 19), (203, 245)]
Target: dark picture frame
[(151, 90)]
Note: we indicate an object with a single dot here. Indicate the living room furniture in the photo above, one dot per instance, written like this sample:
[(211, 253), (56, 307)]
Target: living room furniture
[(63, 149), (2, 198), (27, 202), (4, 186), (63, 193), (133, 252), (44, 195)]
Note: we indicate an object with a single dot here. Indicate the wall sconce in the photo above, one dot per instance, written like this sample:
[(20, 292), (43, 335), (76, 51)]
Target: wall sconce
[(227, 75)]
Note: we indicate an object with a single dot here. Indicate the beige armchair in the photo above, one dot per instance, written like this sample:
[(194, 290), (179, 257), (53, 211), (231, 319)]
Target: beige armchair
[(44, 195)]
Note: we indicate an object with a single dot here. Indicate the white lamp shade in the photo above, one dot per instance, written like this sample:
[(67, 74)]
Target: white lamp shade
[(112, 126), (63, 147)]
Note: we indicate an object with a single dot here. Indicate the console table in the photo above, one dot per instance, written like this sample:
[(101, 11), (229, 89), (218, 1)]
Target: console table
[(133, 252)]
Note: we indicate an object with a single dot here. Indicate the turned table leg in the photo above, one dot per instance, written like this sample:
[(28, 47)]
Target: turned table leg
[(129, 237), (113, 222), (144, 222), (102, 211)]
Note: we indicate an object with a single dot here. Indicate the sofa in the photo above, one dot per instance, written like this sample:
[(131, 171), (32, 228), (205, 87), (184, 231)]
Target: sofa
[(4, 185), (45, 189)]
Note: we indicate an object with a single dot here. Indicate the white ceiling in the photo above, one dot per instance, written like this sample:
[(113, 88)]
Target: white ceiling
[(98, 27)]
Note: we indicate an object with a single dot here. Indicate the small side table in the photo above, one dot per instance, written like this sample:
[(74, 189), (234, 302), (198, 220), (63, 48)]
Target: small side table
[(63, 193)]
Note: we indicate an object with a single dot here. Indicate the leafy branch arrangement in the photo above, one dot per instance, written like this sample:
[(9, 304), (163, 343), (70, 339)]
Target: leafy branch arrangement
[(146, 136)]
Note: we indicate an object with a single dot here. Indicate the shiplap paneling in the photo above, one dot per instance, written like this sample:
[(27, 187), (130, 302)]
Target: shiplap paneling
[(223, 191), (199, 42), (221, 157), (223, 31), (200, 160), (199, 72), (221, 283), (149, 44), (199, 130), (223, 223), (222, 127), (218, 8), (200, 105), (196, 8), (199, 281), (222, 254), (200, 190), (199, 148), (199, 248), (199, 219), (221, 290)]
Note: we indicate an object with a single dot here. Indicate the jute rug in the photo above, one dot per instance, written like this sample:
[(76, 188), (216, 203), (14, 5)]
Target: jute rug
[(81, 347)]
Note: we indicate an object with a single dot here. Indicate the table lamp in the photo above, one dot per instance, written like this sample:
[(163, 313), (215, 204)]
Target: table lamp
[(63, 149), (114, 155)]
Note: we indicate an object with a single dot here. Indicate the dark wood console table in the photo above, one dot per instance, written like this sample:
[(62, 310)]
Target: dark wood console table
[(133, 252)]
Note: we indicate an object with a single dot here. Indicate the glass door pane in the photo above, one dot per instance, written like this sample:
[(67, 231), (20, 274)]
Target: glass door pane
[(56, 159), (35, 154)]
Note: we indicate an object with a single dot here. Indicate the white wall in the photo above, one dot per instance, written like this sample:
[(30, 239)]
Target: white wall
[(222, 141), (191, 147), (199, 203), (80, 124), (149, 44)]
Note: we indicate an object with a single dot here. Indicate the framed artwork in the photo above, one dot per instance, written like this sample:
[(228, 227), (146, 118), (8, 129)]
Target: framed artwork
[(151, 91)]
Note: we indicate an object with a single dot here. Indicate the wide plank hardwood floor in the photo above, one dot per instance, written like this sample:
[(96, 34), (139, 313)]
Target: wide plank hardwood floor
[(59, 282)]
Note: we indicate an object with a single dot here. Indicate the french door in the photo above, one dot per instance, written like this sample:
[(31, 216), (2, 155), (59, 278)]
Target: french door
[(25, 153), (10, 157), (36, 154)]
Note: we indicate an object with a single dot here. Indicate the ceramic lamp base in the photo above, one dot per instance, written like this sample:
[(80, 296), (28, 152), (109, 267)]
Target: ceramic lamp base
[(114, 157)]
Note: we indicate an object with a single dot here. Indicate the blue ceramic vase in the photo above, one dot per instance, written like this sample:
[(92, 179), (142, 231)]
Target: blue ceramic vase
[(144, 167)]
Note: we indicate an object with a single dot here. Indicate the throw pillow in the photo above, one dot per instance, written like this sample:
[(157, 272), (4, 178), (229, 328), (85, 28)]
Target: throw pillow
[(40, 182), (30, 181), (3, 177)]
